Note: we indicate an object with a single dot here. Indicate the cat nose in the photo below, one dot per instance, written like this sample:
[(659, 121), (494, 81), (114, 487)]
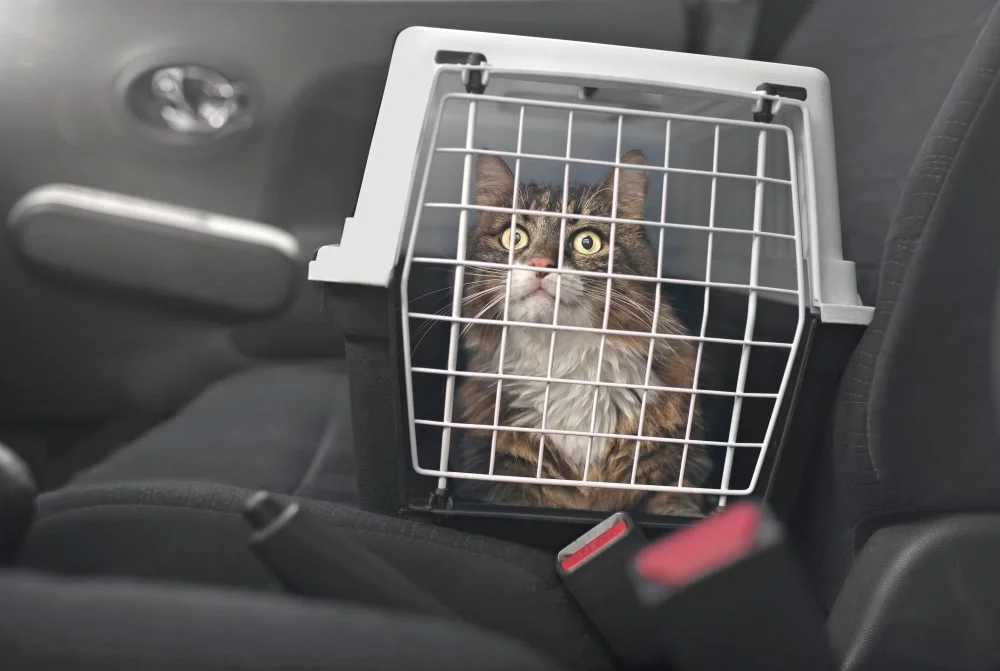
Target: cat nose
[(541, 263)]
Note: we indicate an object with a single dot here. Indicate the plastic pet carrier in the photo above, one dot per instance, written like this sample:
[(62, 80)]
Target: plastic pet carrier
[(679, 211)]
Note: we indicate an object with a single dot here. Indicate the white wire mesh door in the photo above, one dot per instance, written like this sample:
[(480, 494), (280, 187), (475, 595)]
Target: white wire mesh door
[(598, 364)]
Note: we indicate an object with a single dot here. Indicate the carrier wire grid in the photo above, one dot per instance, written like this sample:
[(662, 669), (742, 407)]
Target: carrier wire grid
[(732, 217)]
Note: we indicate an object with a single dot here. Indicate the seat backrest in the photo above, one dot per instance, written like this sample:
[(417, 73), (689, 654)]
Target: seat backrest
[(917, 121)]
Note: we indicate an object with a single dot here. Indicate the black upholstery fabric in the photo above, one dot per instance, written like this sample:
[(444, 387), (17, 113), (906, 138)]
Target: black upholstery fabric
[(891, 64), (286, 429), (167, 507), (914, 431), (193, 532), (48, 623), (922, 597)]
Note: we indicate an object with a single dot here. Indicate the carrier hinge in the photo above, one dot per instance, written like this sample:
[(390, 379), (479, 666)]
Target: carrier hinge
[(440, 499), (475, 80), (764, 110)]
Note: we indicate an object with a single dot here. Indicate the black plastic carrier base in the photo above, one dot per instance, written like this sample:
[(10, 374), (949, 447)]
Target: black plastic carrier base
[(370, 318)]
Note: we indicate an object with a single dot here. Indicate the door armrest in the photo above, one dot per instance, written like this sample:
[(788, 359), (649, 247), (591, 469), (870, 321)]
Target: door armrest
[(228, 267)]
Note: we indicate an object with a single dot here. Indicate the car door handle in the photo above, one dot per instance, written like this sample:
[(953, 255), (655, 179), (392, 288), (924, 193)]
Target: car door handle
[(191, 99)]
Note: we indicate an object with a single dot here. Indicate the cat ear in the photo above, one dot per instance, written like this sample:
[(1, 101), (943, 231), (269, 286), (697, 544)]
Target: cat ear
[(494, 181), (632, 186)]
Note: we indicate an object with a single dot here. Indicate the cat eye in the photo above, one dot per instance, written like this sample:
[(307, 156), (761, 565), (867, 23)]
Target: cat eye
[(520, 238), (587, 243)]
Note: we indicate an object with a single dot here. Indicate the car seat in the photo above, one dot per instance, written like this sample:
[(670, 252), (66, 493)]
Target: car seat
[(910, 435), (50, 622), (913, 434)]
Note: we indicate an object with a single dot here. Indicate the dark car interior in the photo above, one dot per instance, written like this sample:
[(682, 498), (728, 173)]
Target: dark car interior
[(154, 384)]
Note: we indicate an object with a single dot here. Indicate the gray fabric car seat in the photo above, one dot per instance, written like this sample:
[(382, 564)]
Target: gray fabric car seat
[(918, 199), (50, 623), (286, 429), (917, 114), (891, 64), (194, 533)]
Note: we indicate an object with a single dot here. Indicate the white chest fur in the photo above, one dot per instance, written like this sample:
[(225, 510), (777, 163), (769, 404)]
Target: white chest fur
[(570, 407)]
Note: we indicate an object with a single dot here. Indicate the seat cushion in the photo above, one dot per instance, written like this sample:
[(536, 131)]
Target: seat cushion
[(168, 507), (52, 623), (286, 429), (194, 533)]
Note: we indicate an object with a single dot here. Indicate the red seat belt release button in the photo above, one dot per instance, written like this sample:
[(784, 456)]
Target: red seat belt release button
[(595, 568), (702, 548)]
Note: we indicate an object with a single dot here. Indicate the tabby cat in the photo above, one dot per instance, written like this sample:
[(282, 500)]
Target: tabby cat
[(582, 299)]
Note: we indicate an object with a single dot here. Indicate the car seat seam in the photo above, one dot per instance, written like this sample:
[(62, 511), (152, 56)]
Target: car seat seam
[(354, 526), (319, 456)]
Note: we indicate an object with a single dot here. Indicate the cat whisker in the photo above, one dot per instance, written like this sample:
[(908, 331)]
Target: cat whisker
[(489, 306), (484, 292), (451, 269), (421, 332), (424, 330), (480, 292), (621, 298), (622, 302), (666, 324), (629, 304), (593, 196), (479, 314), (477, 270), (448, 288)]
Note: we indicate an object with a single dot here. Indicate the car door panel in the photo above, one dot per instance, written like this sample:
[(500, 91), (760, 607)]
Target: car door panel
[(315, 72)]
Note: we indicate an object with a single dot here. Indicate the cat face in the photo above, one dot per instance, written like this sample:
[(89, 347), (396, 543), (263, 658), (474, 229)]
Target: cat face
[(536, 246)]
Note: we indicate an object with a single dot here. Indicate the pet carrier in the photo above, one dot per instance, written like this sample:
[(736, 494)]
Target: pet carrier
[(689, 367)]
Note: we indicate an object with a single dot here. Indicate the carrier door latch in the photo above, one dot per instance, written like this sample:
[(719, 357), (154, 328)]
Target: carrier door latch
[(764, 110), (475, 80)]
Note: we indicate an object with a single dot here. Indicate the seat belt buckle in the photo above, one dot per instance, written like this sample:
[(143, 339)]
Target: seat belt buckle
[(595, 569), (728, 594)]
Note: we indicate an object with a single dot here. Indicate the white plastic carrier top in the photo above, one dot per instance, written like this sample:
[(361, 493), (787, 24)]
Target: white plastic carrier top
[(708, 100)]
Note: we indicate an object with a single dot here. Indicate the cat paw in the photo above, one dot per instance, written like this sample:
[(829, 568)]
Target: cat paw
[(676, 505)]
